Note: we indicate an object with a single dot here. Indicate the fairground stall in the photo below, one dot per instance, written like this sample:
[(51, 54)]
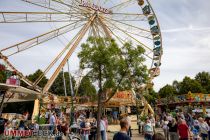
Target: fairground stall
[(195, 102)]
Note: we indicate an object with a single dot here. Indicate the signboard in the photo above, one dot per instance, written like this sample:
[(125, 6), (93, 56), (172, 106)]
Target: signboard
[(94, 7), (123, 95)]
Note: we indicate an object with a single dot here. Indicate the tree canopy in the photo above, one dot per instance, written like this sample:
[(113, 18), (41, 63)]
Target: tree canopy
[(167, 91), (2, 77), (86, 88), (35, 75), (58, 85), (112, 66), (119, 66), (199, 84), (192, 85), (204, 79)]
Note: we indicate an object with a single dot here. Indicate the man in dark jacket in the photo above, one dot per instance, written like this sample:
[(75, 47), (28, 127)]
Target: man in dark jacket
[(122, 134)]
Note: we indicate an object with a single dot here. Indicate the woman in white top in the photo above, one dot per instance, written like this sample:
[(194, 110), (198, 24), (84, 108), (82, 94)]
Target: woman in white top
[(165, 128), (103, 129), (204, 128)]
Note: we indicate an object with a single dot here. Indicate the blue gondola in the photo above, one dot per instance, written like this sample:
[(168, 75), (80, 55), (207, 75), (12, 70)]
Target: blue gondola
[(151, 20)]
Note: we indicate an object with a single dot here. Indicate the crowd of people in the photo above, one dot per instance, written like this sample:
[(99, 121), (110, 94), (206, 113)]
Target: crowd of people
[(175, 126), (185, 126), (179, 126), (84, 124), (148, 131)]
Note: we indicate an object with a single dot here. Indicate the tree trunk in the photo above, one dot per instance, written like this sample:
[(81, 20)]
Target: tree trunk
[(2, 93), (99, 104)]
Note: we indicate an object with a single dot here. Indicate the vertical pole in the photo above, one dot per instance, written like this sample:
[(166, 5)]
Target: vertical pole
[(40, 105), (64, 83), (99, 103), (71, 86), (72, 95)]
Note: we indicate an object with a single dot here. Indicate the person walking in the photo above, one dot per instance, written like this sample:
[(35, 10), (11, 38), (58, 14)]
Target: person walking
[(172, 125), (152, 120), (165, 127), (106, 124), (103, 129), (85, 129), (115, 117), (52, 122), (140, 126), (204, 128), (122, 134), (148, 130), (183, 130), (128, 118)]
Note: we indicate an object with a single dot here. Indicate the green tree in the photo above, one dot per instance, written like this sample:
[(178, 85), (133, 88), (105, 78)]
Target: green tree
[(108, 62), (35, 75), (189, 84), (204, 79), (58, 85), (167, 91), (151, 96), (2, 77), (86, 88)]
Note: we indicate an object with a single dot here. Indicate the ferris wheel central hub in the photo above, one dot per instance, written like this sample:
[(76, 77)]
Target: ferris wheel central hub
[(94, 7)]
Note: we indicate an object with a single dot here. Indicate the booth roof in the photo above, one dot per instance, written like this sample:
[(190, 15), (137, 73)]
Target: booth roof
[(29, 95)]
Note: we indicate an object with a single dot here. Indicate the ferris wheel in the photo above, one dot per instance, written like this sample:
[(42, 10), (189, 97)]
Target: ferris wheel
[(75, 21)]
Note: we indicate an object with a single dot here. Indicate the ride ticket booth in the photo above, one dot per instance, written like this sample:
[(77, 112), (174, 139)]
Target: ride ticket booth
[(15, 94)]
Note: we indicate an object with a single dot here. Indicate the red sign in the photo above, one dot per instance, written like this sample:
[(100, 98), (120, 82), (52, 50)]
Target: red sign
[(123, 95)]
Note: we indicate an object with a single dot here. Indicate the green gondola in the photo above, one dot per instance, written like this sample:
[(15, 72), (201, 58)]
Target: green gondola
[(146, 10)]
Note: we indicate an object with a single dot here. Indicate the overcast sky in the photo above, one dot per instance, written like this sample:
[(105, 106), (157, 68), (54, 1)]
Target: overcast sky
[(185, 26)]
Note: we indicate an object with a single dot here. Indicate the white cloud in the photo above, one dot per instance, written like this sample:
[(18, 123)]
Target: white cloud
[(187, 29)]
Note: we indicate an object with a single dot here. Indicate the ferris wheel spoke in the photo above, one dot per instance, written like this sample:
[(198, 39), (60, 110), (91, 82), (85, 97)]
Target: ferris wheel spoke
[(55, 60), (120, 4), (74, 7), (130, 36), (22, 77), (122, 41), (97, 31), (29, 17), (106, 31), (136, 34), (45, 5), (128, 16), (114, 35), (126, 24), (69, 53), (40, 39)]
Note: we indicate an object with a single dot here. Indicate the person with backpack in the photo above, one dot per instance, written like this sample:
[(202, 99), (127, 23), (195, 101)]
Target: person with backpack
[(148, 130)]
